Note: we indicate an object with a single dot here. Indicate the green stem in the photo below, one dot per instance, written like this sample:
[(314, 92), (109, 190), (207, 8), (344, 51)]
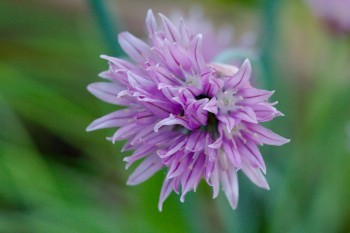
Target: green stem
[(109, 29), (270, 17)]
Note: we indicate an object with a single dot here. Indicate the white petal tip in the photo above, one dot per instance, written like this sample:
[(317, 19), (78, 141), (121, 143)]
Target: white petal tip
[(90, 128), (131, 183)]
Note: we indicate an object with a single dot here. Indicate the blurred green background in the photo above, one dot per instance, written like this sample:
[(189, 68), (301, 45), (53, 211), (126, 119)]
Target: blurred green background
[(55, 177)]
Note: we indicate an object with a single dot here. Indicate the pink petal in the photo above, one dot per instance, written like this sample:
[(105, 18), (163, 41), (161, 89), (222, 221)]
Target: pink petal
[(171, 120), (138, 50), (265, 112), (253, 96), (252, 154), (191, 177), (246, 113), (171, 33), (266, 136), (106, 91), (145, 170), (255, 175), (151, 23), (139, 153), (215, 180), (241, 78), (232, 154), (196, 141), (165, 192), (196, 46), (114, 119), (229, 183), (228, 121), (178, 167), (125, 132), (211, 106)]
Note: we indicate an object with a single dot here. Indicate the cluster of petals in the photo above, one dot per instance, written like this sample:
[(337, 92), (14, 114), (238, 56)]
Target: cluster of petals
[(194, 119)]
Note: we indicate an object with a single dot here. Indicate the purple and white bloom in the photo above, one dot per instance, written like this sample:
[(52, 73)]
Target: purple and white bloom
[(215, 39), (194, 119), (334, 12)]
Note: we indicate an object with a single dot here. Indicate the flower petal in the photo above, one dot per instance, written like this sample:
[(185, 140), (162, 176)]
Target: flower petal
[(151, 23), (253, 96), (167, 187), (215, 180), (139, 153), (196, 141), (246, 113), (211, 106), (232, 154), (171, 33), (229, 183), (191, 178), (266, 136), (251, 153), (241, 77), (171, 120), (145, 170), (106, 91), (138, 50), (114, 119), (196, 46), (255, 175)]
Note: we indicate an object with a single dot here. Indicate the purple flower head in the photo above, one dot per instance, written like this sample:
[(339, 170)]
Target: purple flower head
[(334, 12), (194, 119)]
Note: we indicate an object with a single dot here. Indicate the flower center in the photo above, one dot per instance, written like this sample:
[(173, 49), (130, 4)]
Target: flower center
[(192, 80), (227, 101)]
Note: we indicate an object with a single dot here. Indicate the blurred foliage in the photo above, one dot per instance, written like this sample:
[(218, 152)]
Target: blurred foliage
[(55, 177)]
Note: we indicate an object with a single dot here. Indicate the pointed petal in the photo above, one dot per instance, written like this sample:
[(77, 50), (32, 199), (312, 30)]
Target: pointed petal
[(265, 112), (178, 167), (114, 119), (255, 175), (139, 153), (253, 96), (230, 186), (185, 37), (119, 64), (143, 85), (251, 154), (171, 32), (151, 23), (125, 132), (215, 180), (165, 192), (266, 136), (246, 113), (138, 50), (145, 170), (106, 91), (196, 46), (241, 77), (211, 106)]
